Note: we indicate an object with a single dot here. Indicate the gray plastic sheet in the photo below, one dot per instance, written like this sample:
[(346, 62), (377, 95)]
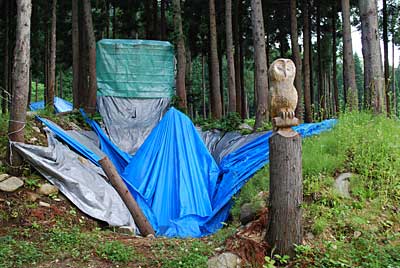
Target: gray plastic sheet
[(82, 182), (129, 121), (220, 143)]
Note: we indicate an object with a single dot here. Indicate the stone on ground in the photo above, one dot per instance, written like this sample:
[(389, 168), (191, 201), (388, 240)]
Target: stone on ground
[(32, 196), (247, 213), (126, 230), (4, 176), (11, 184), (224, 260), (44, 204), (342, 184), (48, 189)]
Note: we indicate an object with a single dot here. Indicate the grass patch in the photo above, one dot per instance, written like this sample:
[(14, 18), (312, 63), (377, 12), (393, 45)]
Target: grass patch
[(115, 251)]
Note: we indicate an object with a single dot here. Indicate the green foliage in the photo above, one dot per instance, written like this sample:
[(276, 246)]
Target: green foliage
[(229, 123), (15, 253), (190, 254), (32, 183), (115, 251)]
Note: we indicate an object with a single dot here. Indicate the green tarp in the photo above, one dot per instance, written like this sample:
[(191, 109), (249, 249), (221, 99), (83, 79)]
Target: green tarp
[(135, 68)]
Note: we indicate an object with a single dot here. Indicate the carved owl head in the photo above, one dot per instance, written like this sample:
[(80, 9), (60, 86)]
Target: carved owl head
[(282, 69)]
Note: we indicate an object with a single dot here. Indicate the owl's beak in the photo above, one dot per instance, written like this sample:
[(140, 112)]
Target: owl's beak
[(285, 73)]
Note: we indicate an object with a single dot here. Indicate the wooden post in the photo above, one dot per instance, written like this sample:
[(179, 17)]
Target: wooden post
[(141, 221), (286, 190)]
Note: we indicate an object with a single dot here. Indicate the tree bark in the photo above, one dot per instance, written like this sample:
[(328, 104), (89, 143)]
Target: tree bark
[(203, 84), (107, 15), (140, 219), (286, 193), (386, 56), (230, 54), (260, 62), (155, 20), (221, 76), (83, 60), (349, 75), (180, 43), (50, 91), (5, 91), (296, 57), (394, 79), (90, 105), (236, 34), (61, 84), (321, 89), (334, 58), (148, 17), (216, 104), (20, 77), (373, 75), (114, 22), (306, 64), (163, 21)]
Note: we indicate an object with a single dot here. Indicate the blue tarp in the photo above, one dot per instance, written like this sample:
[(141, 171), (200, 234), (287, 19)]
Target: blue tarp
[(176, 181), (60, 105)]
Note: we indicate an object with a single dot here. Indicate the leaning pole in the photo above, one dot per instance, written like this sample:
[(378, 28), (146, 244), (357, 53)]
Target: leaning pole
[(284, 229)]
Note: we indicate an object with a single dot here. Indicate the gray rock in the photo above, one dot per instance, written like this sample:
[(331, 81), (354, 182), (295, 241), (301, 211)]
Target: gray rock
[(245, 126), (247, 213), (44, 204), (32, 196), (342, 184), (11, 184), (126, 230), (224, 260), (4, 176), (36, 129), (48, 189)]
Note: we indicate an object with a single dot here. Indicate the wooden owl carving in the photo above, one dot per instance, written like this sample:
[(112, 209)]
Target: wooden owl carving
[(282, 93)]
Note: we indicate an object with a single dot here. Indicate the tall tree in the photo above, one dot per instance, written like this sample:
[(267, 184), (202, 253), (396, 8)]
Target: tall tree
[(230, 52), (334, 56), (373, 75), (20, 77), (5, 90), (50, 90), (296, 56), (216, 104), (90, 105), (349, 76), (321, 87), (260, 62), (163, 21), (75, 54), (155, 20), (180, 43), (386, 55), (237, 39), (306, 63)]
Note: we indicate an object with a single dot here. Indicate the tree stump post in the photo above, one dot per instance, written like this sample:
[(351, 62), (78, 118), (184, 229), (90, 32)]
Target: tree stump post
[(286, 192), (286, 186)]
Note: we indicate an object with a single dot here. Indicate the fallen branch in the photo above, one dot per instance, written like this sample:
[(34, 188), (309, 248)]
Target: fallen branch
[(140, 219)]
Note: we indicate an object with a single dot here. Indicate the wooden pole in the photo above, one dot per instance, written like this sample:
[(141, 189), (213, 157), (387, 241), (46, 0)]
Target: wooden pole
[(286, 187), (141, 221), (286, 192)]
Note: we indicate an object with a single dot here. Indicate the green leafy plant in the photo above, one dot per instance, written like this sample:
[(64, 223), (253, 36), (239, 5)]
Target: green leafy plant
[(115, 251)]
